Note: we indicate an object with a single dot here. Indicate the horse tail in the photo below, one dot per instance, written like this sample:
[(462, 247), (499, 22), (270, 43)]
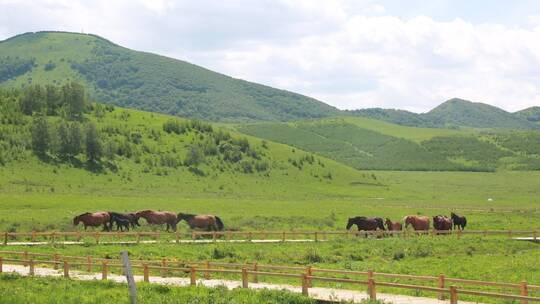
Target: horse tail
[(219, 223), (464, 222)]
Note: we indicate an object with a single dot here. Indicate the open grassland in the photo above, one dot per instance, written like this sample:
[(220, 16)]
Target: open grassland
[(27, 203), (16, 289)]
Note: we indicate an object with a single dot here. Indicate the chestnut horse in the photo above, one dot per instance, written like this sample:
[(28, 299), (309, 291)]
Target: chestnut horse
[(93, 220), (158, 218), (206, 222), (418, 222), (441, 222), (393, 226)]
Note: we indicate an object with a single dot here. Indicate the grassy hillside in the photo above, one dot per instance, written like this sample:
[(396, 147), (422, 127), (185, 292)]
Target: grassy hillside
[(372, 144), (139, 151), (456, 113), (145, 81), (531, 114)]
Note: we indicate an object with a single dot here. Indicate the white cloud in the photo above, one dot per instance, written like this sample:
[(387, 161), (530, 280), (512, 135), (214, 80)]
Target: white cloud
[(350, 54)]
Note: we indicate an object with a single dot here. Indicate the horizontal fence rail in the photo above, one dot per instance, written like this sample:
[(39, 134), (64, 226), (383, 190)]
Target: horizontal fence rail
[(444, 287), (178, 237)]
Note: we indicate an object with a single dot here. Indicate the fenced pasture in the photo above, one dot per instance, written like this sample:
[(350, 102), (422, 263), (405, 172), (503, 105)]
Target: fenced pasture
[(305, 277)]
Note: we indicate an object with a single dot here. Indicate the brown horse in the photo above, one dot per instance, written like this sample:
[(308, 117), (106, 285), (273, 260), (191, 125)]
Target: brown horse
[(206, 222), (158, 218), (366, 223), (441, 222), (418, 222), (93, 220), (393, 226)]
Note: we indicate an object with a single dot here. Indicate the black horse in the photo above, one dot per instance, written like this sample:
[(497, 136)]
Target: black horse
[(459, 221), (366, 223), (123, 220)]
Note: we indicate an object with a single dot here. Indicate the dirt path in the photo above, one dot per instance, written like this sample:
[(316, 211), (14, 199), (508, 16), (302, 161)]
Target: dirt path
[(319, 293)]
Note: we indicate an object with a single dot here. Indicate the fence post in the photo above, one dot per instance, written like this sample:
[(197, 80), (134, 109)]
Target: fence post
[(177, 237), (33, 236), (89, 263), (55, 259), (207, 273), (97, 238), (66, 269), (31, 270), (5, 238), (283, 238), (255, 276), (509, 233), (193, 236), (25, 258), (244, 278), (193, 276), (371, 286), (534, 235), (372, 290), (305, 285), (309, 272), (79, 236), (441, 285), (523, 291), (1, 264), (163, 270), (316, 236), (453, 295), (104, 270), (146, 274)]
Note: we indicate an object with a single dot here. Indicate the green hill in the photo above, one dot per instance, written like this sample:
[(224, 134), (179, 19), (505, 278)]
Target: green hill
[(455, 113), (371, 144), (46, 146), (124, 77), (531, 114)]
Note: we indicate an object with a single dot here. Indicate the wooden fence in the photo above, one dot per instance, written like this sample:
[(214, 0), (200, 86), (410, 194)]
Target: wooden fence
[(137, 237), (304, 276)]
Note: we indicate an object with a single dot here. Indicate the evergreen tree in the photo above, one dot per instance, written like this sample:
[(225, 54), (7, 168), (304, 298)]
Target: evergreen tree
[(33, 100), (40, 135), (93, 144), (75, 139), (74, 99), (53, 99)]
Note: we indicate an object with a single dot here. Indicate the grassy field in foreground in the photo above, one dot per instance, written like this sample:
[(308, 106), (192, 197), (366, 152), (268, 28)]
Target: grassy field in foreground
[(488, 259), (16, 289)]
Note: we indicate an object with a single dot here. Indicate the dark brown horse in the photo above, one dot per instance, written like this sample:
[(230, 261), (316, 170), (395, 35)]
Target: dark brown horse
[(459, 221), (95, 219), (201, 221), (158, 218), (418, 222), (393, 226), (441, 222), (366, 223)]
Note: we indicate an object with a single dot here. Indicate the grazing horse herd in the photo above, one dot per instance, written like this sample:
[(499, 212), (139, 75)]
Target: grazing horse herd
[(213, 223), (419, 223), (127, 220)]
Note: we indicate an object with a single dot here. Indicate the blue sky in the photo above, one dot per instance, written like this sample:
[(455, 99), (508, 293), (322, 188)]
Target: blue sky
[(351, 54)]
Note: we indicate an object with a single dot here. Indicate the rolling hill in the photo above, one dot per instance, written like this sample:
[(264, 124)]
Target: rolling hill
[(365, 143), (124, 77), (531, 114), (140, 151), (456, 113)]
